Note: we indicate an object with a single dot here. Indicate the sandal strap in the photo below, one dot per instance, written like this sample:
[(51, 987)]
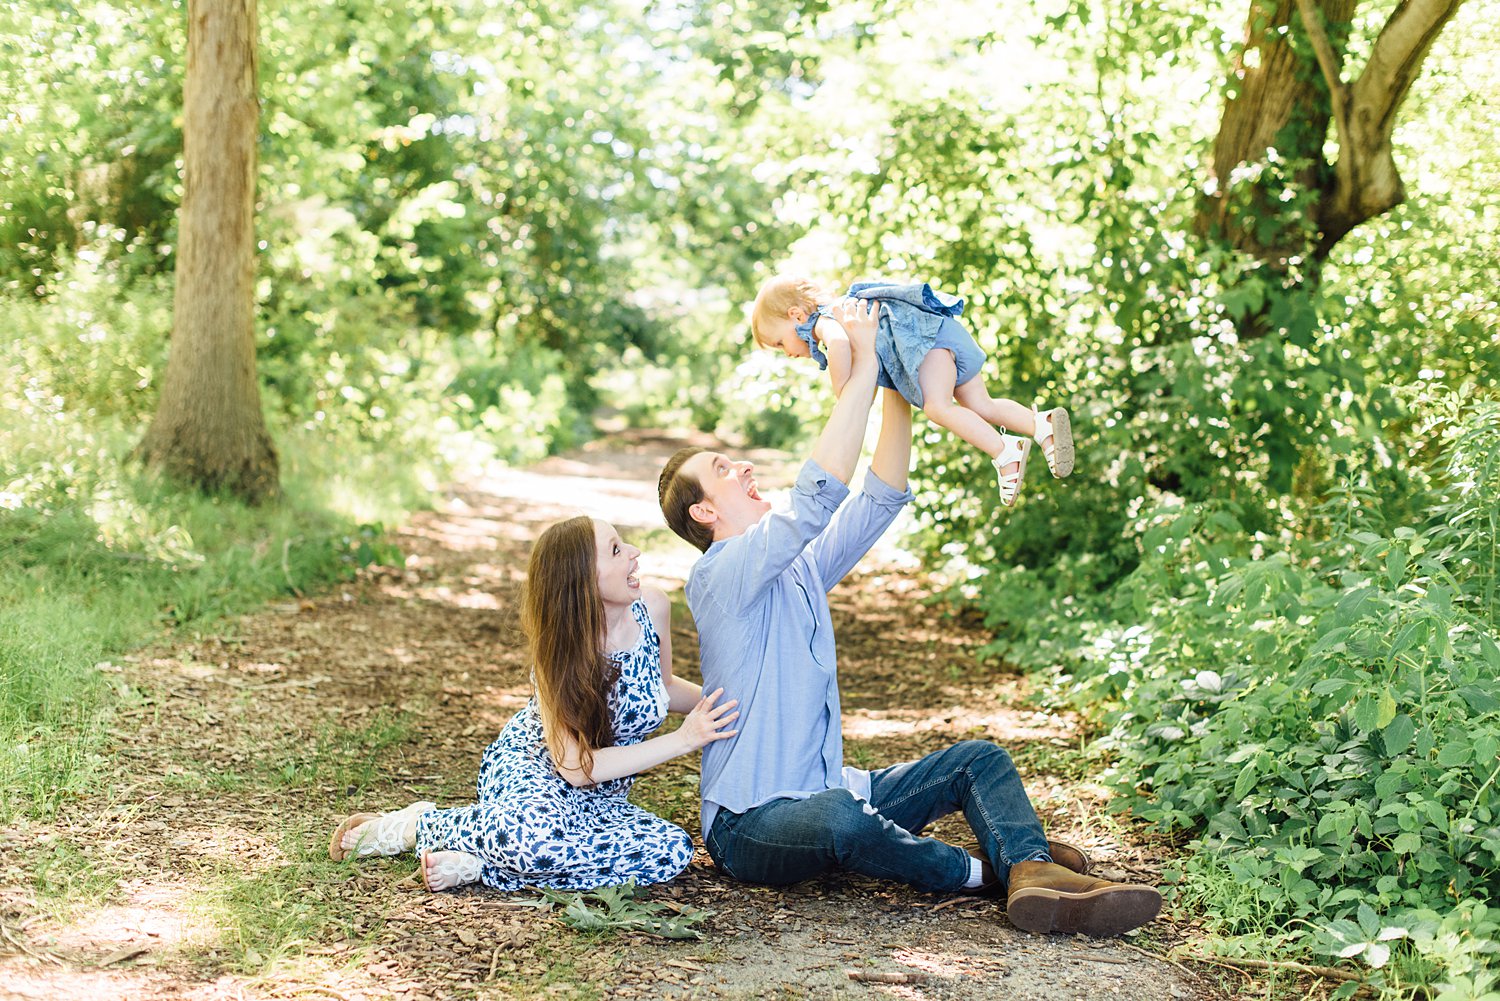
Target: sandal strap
[(1012, 449), (1044, 429), (453, 869), (387, 834)]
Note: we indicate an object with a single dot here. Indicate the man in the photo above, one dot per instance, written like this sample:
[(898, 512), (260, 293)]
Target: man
[(779, 806)]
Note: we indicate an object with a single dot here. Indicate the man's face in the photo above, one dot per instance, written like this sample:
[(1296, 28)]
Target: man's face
[(729, 492)]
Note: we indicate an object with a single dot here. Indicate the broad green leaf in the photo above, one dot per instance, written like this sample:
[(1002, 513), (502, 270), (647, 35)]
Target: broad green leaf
[(1398, 734), (1478, 699), (1387, 710), (1395, 566), (1245, 782), (1491, 651), (1454, 754)]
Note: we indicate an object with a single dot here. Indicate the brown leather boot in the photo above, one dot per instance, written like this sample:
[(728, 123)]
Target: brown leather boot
[(1069, 856), (1066, 855), (1045, 897)]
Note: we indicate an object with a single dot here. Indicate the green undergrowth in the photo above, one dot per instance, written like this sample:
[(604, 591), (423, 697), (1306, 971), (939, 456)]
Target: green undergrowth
[(98, 556), (1318, 708), (93, 569), (624, 908)]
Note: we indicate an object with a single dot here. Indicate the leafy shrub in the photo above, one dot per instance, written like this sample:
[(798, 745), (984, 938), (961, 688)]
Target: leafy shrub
[(1325, 716)]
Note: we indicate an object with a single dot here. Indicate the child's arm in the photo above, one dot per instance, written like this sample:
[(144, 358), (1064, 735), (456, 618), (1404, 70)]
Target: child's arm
[(840, 354)]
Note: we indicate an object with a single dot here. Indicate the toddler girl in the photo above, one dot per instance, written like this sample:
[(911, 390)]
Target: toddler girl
[(927, 356)]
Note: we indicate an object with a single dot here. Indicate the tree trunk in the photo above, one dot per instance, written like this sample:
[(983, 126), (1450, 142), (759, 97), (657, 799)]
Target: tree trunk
[(1278, 101), (1289, 208), (209, 430)]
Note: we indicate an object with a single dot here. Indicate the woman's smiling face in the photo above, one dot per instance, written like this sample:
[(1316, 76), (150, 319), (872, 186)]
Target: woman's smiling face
[(618, 562)]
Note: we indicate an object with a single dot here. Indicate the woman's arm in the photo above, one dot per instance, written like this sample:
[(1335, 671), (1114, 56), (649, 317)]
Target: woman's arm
[(682, 695), (702, 726)]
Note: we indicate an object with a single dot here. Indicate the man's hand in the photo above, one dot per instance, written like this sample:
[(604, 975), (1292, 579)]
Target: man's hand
[(860, 319)]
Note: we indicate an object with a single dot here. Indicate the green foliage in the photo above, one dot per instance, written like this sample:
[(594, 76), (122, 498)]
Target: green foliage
[(1267, 581), (96, 557), (1271, 580), (624, 908), (1326, 715)]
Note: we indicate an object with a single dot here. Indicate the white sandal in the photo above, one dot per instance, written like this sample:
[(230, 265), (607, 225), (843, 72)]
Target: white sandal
[(1055, 424), (450, 872), (1014, 449), (384, 835)]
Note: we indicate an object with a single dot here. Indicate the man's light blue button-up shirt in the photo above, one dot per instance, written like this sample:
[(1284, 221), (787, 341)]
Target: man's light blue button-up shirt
[(760, 602)]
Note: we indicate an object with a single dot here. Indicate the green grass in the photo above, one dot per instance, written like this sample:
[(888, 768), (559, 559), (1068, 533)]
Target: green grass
[(72, 881), (270, 916), (97, 558), (336, 754)]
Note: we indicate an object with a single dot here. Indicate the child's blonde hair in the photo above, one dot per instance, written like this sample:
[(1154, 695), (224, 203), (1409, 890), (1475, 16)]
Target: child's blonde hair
[(778, 295)]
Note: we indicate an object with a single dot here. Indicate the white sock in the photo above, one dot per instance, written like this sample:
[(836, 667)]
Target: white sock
[(976, 875)]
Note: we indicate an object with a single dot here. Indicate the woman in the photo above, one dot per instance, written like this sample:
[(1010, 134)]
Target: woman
[(552, 809)]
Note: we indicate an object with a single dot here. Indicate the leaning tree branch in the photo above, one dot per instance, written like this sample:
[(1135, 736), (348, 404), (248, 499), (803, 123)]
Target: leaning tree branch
[(1397, 58), (1366, 181), (1328, 62)]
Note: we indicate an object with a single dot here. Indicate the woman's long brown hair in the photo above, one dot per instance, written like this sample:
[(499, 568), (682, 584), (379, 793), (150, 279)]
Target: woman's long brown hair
[(562, 614)]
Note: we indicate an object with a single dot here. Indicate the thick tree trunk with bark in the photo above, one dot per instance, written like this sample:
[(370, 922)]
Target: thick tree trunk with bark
[(208, 429), (1286, 88), (1276, 102)]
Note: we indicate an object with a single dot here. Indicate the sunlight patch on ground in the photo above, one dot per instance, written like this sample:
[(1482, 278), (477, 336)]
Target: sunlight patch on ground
[(94, 985), (505, 698), (623, 503), (474, 599), (154, 918), (462, 535), (1005, 725)]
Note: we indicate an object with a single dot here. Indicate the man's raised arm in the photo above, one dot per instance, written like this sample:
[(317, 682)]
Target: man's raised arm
[(892, 458), (838, 447)]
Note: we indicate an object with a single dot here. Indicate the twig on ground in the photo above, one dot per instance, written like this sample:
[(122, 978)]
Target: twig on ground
[(21, 944), (1327, 972), (320, 989), (120, 955), (876, 977), (955, 900), (1163, 959)]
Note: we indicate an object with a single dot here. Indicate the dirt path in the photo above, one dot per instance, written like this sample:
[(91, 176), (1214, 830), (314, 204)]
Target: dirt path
[(199, 870)]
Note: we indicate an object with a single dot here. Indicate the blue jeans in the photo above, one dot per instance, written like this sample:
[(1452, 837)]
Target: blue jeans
[(788, 840)]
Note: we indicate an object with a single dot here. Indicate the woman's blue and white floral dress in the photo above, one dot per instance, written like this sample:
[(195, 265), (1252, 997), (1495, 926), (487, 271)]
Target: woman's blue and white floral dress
[(531, 827)]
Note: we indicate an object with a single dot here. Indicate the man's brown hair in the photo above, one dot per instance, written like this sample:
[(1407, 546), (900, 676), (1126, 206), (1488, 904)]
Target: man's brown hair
[(678, 492)]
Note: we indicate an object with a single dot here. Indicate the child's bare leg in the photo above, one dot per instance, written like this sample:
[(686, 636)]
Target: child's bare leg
[(1006, 413), (1050, 429), (936, 377), (1007, 452)]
